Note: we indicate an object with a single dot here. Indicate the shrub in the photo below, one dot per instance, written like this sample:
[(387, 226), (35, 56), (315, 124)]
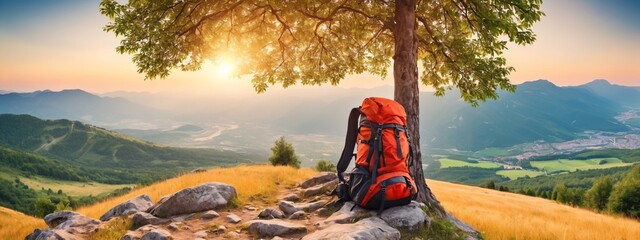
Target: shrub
[(325, 166), (598, 196), (625, 197), (284, 154)]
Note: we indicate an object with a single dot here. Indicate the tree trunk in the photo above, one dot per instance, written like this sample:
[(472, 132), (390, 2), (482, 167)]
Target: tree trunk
[(406, 92)]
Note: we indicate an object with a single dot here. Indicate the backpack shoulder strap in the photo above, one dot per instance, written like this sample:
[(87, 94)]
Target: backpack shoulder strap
[(349, 143)]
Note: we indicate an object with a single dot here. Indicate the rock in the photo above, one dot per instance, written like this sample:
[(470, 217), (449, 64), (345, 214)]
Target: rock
[(320, 188), (297, 215), (291, 197), (34, 234), (130, 235), (174, 226), (182, 218), (208, 196), (272, 228), (347, 214), (409, 216), (140, 219), (156, 234), (271, 213), (139, 203), (53, 234), (319, 179), (324, 212), (232, 218), (250, 208), (469, 232), (210, 215), (289, 207), (71, 222), (368, 228), (201, 234)]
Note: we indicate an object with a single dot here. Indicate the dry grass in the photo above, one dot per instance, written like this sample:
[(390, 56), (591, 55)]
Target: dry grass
[(500, 215), (15, 225), (258, 182)]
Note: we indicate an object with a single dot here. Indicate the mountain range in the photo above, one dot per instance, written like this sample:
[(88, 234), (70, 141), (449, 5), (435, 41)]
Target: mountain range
[(538, 110)]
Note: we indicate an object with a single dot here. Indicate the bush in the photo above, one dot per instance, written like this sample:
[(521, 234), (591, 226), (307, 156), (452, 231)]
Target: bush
[(325, 166), (598, 196), (284, 154), (625, 197)]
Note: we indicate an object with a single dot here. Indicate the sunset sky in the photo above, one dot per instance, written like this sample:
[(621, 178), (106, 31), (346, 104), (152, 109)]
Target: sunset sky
[(59, 44)]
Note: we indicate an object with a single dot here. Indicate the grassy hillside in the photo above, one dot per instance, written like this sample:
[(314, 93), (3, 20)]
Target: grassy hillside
[(15, 225), (108, 156), (498, 215)]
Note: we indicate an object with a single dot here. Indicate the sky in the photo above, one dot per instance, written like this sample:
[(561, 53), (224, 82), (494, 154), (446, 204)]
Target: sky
[(60, 44)]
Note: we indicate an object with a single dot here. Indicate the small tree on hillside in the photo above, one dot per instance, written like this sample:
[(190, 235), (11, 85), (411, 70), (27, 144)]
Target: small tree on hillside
[(284, 154), (598, 196), (625, 197), (325, 166)]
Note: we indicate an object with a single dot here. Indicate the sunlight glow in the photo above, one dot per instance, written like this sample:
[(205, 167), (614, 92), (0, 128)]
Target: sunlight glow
[(224, 69)]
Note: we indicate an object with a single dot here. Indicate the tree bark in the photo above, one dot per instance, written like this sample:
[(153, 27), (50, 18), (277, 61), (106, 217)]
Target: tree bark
[(406, 92)]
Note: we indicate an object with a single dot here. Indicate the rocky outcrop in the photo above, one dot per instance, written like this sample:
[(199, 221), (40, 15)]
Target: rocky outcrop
[(272, 228), (271, 213), (140, 219), (320, 188), (65, 225), (368, 228), (469, 232), (139, 203), (209, 196), (410, 216), (319, 179)]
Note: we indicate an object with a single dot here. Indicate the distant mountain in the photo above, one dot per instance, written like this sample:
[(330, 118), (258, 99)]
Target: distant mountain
[(119, 158), (538, 110), (76, 105), (623, 95)]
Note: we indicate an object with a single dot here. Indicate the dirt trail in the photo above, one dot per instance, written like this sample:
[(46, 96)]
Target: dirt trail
[(48, 145)]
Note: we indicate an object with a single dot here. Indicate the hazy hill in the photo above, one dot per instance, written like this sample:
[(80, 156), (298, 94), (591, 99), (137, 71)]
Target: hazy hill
[(76, 105), (123, 159), (623, 95)]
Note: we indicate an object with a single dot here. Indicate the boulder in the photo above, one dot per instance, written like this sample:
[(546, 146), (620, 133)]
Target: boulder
[(319, 179), (271, 213), (320, 188), (272, 228), (140, 219), (130, 235), (297, 215), (324, 212), (157, 234), (53, 234), (347, 214), (291, 197), (232, 218), (139, 203), (469, 232), (368, 228), (289, 207), (208, 196), (210, 215), (33, 235), (409, 216), (71, 222)]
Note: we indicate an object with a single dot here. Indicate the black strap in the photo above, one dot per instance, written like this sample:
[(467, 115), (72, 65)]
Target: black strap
[(349, 143)]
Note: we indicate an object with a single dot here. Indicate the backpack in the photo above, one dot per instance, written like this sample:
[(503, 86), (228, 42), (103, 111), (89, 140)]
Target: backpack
[(381, 177)]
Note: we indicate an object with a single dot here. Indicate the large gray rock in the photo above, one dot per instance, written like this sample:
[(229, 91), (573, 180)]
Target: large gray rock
[(208, 196), (33, 235), (272, 228), (289, 207), (156, 234), (319, 179), (320, 188), (271, 213), (409, 216), (368, 228), (139, 203), (140, 219), (53, 234), (71, 222)]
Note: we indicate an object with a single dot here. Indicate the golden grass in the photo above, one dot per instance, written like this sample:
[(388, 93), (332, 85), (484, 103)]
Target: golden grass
[(257, 181), (501, 215), (15, 225)]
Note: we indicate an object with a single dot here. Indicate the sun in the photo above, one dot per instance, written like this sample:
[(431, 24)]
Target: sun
[(225, 69)]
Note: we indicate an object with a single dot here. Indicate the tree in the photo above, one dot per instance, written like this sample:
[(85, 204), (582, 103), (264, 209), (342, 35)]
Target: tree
[(325, 166), (625, 197), (44, 206), (491, 185), (459, 44), (598, 195), (283, 154), (560, 193)]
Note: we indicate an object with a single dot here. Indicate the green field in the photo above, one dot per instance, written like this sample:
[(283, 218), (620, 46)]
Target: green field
[(494, 152), (573, 165), (447, 163), (71, 188), (515, 174)]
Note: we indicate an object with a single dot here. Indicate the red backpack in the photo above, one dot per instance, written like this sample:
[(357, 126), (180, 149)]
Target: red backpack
[(381, 177)]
